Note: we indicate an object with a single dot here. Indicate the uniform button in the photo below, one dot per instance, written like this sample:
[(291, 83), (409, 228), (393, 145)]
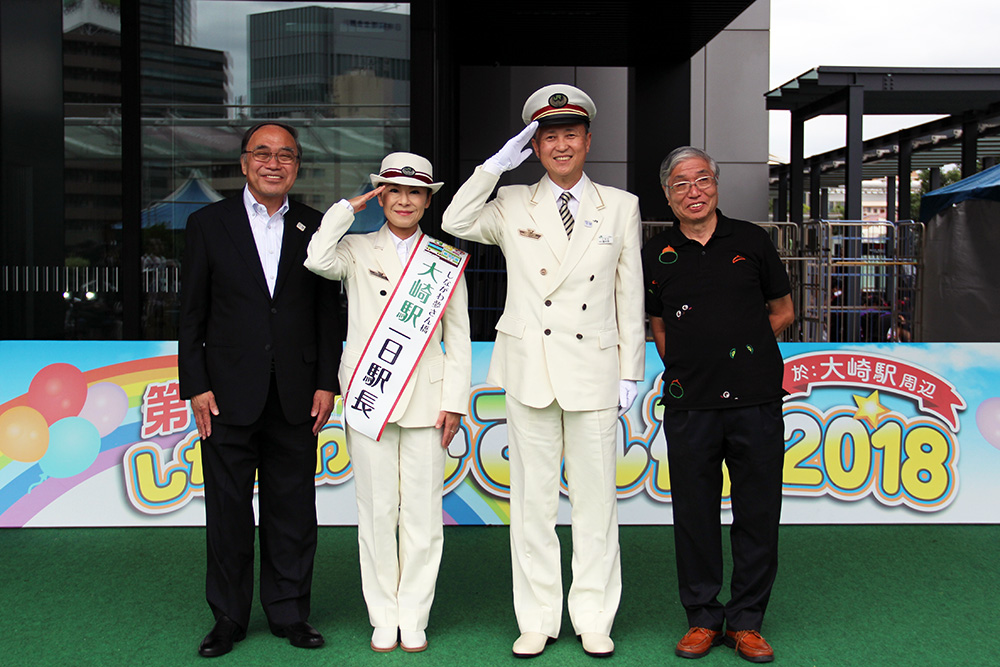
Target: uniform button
[(543, 272), (548, 302), (548, 331), (382, 292), (274, 311), (579, 336), (267, 347), (585, 306), (592, 278), (702, 252)]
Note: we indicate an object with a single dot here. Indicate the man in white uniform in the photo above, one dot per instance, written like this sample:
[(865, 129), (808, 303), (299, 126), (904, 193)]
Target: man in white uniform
[(568, 353)]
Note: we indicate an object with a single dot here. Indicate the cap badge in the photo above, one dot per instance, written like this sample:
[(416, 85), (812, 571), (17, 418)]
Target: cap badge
[(558, 100), (408, 171)]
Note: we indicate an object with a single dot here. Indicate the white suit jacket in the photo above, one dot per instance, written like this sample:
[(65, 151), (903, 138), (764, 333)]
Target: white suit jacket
[(369, 268), (573, 324)]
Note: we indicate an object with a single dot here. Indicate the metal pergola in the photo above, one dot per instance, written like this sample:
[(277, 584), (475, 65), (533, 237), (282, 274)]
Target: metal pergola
[(970, 97)]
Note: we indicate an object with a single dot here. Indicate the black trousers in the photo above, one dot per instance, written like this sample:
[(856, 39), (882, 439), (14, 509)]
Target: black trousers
[(751, 441), (283, 456)]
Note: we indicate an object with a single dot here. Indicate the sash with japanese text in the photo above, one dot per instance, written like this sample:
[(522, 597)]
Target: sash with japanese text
[(403, 330)]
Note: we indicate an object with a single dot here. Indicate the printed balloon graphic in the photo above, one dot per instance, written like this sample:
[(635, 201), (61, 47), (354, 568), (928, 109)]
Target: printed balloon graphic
[(988, 420), (73, 445), (106, 406), (58, 391), (24, 435)]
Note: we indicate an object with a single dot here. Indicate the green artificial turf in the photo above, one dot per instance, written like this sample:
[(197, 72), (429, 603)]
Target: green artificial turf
[(845, 596)]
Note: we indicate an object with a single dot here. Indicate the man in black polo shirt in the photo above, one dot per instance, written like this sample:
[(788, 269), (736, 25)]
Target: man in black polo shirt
[(717, 296)]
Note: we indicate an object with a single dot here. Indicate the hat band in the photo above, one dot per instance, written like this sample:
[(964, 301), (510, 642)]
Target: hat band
[(569, 109), (398, 173)]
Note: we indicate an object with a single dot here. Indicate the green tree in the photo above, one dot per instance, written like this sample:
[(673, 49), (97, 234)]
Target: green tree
[(948, 176)]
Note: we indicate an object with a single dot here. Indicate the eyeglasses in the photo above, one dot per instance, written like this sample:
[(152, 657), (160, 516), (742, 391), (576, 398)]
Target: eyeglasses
[(283, 157), (704, 184)]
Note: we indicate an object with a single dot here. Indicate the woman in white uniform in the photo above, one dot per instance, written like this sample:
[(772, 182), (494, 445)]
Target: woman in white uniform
[(399, 477)]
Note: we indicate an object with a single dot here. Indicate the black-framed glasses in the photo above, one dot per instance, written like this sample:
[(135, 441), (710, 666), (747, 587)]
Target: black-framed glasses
[(704, 184), (283, 157)]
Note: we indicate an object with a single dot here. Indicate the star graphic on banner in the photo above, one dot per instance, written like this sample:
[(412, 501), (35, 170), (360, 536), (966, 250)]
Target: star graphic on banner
[(869, 408)]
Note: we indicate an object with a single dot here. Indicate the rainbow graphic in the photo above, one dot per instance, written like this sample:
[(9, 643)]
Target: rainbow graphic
[(68, 449), (95, 434)]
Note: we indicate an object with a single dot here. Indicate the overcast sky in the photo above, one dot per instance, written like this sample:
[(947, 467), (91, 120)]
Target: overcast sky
[(804, 34), (874, 33)]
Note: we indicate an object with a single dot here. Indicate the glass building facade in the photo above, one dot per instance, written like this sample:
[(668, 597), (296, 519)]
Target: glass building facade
[(120, 119)]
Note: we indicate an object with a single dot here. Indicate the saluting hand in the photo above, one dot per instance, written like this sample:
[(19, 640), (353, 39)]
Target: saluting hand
[(360, 202), (513, 152)]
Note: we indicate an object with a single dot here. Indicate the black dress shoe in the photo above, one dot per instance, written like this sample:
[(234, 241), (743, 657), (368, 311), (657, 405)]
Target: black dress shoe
[(220, 640), (299, 634)]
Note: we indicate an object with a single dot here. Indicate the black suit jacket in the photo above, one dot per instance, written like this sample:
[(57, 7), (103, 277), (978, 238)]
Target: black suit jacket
[(232, 330)]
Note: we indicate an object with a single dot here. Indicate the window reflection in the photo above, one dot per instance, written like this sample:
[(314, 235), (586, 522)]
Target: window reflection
[(211, 68), (92, 95)]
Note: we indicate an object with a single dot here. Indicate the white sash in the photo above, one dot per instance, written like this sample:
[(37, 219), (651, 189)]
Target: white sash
[(403, 330)]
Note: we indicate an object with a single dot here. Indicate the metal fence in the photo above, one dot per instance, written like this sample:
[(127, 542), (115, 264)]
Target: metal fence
[(852, 280), (860, 280)]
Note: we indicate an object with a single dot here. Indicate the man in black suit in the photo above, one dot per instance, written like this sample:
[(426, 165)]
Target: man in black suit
[(259, 347)]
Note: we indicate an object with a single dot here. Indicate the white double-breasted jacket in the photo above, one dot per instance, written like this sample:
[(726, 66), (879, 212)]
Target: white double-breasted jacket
[(573, 323)]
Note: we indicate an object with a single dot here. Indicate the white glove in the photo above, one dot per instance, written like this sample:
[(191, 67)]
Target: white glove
[(627, 391), (513, 152)]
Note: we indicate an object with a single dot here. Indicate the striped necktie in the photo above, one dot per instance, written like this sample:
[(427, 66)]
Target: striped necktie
[(564, 213)]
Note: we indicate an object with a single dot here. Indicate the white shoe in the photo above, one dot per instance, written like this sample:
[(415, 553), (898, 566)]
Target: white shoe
[(597, 645), (413, 641), (530, 644), (384, 639)]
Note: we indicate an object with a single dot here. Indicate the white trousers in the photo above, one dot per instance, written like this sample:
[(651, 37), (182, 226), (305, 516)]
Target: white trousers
[(398, 482), (538, 439)]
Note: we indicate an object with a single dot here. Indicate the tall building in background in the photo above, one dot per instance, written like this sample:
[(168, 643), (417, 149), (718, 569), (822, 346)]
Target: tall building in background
[(177, 80), (167, 21), (358, 62), (173, 72), (91, 56)]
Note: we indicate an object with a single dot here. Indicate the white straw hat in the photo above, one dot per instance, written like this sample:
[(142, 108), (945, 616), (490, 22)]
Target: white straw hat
[(406, 169)]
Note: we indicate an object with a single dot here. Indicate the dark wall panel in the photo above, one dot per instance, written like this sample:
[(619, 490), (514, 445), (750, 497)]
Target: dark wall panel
[(31, 147)]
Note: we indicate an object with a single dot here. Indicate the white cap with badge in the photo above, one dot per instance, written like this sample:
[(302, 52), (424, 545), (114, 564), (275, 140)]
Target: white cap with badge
[(559, 104)]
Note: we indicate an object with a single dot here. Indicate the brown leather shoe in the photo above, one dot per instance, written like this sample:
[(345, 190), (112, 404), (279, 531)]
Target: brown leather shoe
[(749, 645), (698, 642)]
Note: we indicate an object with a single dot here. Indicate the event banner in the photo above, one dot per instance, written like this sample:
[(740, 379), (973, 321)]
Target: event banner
[(95, 434)]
